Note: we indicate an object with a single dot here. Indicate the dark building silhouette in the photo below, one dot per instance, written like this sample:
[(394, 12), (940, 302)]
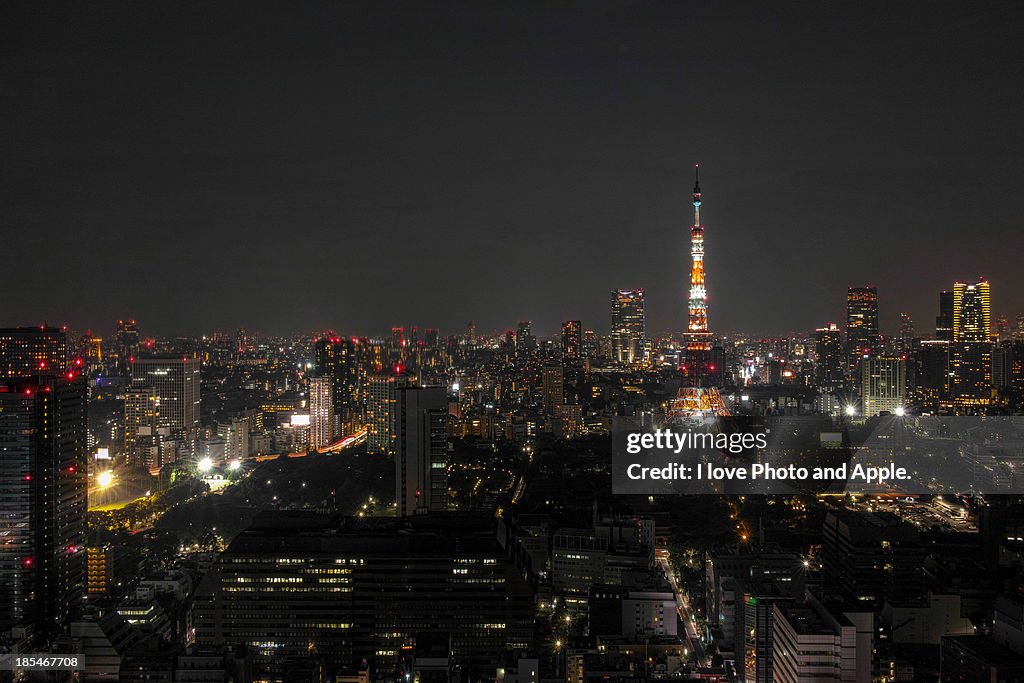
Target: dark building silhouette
[(43, 495)]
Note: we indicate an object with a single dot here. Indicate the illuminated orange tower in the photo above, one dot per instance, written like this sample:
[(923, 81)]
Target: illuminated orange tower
[(698, 339)]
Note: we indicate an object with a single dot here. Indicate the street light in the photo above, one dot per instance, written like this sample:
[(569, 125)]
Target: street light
[(105, 479), (205, 465)]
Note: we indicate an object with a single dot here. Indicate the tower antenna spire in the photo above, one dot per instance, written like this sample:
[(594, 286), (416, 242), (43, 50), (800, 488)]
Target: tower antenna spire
[(698, 338)]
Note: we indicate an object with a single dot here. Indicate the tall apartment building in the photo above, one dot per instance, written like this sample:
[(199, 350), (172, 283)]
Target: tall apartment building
[(321, 411)]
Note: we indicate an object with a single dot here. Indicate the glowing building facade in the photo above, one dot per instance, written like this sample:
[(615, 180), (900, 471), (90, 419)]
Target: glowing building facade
[(629, 327), (862, 337), (26, 351), (971, 358), (321, 411)]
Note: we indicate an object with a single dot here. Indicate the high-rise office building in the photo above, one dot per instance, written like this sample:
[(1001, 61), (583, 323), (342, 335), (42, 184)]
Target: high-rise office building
[(142, 431), (525, 341), (629, 327), (43, 492), (829, 368), (872, 558), (353, 593), (944, 320), (861, 324), (177, 382), (972, 312), (321, 411), (26, 351), (1007, 364), (883, 385), (970, 369), (92, 353), (126, 347), (907, 332), (336, 358), (572, 341), (552, 388), (971, 359), (421, 444), (931, 372)]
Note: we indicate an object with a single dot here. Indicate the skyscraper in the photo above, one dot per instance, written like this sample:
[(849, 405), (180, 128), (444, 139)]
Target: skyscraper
[(126, 346), (421, 442), (944, 320), (861, 324), (525, 341), (829, 368), (321, 411), (379, 412), (336, 358), (629, 327), (176, 380), (972, 312), (971, 358), (883, 385), (931, 372), (907, 332), (26, 351), (43, 492), (572, 341), (552, 389), (142, 427)]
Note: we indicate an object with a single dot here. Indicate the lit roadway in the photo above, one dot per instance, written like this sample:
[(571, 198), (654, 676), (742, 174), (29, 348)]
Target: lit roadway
[(689, 623), (339, 445)]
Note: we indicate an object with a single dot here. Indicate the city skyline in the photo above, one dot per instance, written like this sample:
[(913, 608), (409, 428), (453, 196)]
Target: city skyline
[(542, 342), (304, 194), (926, 326)]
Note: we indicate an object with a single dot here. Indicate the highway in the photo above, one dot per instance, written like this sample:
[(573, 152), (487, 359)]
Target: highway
[(339, 445)]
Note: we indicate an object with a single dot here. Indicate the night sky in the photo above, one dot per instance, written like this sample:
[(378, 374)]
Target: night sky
[(362, 165)]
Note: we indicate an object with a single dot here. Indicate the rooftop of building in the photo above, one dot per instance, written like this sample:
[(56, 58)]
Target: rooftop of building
[(985, 649), (302, 531)]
